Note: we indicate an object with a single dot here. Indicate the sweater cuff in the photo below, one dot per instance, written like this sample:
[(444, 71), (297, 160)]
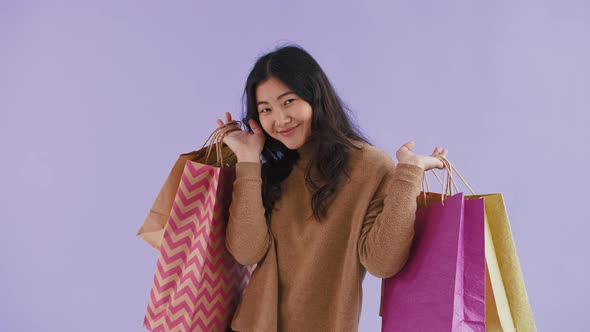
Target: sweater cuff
[(248, 170), (409, 173)]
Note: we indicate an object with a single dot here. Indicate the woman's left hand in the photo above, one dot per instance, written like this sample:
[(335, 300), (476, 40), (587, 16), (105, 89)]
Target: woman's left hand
[(406, 156)]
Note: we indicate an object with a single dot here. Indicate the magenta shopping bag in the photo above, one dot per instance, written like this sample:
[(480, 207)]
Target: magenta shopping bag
[(442, 286)]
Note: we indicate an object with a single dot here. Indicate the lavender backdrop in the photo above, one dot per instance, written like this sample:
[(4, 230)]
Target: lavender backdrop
[(97, 99)]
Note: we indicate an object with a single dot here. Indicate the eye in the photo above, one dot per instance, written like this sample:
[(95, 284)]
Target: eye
[(262, 110), (288, 101)]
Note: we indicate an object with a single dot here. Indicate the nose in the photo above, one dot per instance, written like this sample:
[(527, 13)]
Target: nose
[(283, 118)]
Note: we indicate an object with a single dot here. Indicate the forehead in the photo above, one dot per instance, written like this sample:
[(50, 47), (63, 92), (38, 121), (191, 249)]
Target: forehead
[(270, 89)]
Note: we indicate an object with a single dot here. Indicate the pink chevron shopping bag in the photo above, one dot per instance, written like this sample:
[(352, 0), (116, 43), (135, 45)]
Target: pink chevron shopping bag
[(197, 283)]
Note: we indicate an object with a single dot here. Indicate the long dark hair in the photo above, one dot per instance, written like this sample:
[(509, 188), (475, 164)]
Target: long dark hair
[(331, 126)]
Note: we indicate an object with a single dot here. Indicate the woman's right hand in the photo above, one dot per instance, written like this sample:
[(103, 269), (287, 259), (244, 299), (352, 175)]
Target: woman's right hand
[(245, 145)]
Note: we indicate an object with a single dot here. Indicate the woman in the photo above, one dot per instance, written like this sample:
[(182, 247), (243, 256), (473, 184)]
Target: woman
[(320, 208)]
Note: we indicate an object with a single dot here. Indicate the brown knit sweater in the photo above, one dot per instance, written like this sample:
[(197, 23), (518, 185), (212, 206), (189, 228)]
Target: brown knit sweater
[(309, 275)]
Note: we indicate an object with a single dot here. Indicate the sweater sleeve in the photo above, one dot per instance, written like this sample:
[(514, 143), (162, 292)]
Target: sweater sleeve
[(388, 227), (247, 235)]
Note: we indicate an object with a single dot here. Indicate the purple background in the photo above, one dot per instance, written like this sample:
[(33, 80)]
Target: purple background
[(98, 98)]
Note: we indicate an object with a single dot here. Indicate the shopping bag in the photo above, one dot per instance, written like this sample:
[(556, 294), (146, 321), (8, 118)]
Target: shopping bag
[(152, 229), (197, 283), (507, 303), (442, 285)]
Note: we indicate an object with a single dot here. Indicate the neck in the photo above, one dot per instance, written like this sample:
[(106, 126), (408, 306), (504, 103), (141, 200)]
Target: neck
[(306, 150)]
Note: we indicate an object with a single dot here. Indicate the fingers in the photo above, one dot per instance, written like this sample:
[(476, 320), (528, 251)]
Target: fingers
[(227, 120), (440, 151), (409, 145), (255, 127), (253, 124)]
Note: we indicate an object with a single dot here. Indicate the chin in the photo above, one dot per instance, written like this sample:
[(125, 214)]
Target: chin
[(291, 146)]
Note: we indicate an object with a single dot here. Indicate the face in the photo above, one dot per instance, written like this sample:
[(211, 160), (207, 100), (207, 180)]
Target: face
[(280, 110)]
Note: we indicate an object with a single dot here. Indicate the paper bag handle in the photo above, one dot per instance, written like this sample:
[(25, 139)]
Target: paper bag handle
[(447, 186), (216, 138)]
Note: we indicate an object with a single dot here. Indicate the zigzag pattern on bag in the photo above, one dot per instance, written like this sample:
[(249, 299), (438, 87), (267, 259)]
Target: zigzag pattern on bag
[(197, 284)]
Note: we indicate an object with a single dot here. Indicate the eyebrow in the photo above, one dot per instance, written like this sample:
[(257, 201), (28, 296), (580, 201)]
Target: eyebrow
[(279, 97)]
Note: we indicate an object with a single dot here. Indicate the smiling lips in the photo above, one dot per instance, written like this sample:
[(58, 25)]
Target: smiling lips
[(288, 132)]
